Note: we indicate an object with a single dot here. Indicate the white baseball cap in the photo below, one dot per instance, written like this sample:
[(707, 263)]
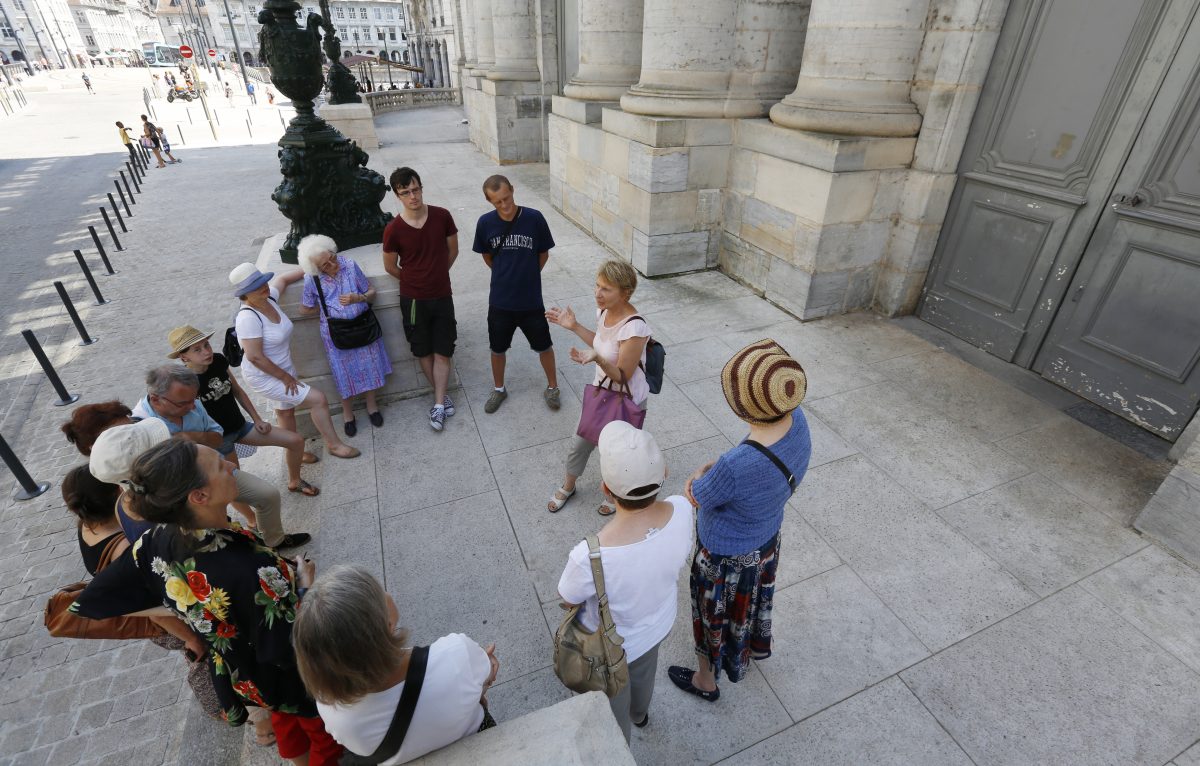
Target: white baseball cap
[(117, 448), (630, 459)]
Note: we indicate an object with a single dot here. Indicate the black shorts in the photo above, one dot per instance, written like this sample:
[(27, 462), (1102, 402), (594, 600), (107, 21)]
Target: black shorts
[(429, 325), (503, 324)]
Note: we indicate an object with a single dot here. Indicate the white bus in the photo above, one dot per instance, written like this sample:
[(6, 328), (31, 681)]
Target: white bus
[(161, 55)]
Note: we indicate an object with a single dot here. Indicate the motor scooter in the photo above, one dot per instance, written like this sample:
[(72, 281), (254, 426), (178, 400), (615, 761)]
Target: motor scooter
[(179, 91)]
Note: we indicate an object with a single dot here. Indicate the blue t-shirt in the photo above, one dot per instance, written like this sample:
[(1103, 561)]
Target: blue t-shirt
[(516, 275)]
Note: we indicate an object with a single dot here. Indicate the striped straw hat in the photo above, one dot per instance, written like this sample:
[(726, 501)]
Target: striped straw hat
[(762, 383)]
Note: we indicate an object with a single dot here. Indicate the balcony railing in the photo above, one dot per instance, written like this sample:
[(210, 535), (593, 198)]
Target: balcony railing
[(384, 101)]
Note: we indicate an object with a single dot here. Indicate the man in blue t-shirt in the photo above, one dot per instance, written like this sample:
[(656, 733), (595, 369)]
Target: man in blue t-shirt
[(515, 244)]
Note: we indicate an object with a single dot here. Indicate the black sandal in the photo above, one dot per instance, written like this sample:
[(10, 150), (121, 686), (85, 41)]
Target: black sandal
[(682, 677)]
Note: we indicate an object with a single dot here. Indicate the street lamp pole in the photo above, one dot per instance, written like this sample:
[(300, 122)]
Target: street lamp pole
[(387, 59), (45, 26), (16, 33), (237, 49)]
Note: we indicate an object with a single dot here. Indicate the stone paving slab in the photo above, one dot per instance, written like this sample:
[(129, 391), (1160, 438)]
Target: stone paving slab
[(872, 577)]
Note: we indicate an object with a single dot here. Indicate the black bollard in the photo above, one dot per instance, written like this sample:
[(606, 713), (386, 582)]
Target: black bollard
[(121, 194), (90, 279), (133, 177), (111, 232), (64, 398), (120, 220), (128, 191), (84, 338), (103, 255), (29, 488)]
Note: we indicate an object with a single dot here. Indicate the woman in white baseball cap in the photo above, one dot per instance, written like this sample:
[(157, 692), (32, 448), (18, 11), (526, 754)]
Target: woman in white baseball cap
[(642, 550), (264, 332)]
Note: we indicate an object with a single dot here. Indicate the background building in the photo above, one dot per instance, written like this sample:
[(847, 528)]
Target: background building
[(47, 31)]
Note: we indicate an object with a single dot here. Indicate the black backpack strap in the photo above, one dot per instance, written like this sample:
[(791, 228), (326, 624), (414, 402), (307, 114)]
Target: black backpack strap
[(321, 292), (787, 474), (404, 710)]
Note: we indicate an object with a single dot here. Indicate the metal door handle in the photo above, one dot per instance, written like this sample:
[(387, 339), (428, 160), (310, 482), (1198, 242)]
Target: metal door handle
[(1129, 200)]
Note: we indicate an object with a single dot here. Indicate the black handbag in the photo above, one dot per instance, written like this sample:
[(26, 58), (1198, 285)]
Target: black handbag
[(362, 330)]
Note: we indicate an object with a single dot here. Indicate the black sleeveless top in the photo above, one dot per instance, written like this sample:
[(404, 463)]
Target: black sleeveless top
[(91, 553)]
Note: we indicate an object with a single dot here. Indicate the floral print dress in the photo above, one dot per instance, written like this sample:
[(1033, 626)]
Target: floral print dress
[(238, 594)]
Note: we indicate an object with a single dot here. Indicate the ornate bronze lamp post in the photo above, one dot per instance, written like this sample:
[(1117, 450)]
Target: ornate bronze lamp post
[(327, 187)]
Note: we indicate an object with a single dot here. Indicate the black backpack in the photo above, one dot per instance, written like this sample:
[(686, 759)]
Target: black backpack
[(656, 360), (233, 348)]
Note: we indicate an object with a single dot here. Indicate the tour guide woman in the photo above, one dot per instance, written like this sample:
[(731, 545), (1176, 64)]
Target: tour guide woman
[(740, 499), (239, 595)]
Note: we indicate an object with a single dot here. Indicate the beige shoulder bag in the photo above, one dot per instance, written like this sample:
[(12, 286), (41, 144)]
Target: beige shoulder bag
[(587, 661)]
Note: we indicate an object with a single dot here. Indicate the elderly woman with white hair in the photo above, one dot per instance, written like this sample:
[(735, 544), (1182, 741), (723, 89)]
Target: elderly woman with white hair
[(340, 294)]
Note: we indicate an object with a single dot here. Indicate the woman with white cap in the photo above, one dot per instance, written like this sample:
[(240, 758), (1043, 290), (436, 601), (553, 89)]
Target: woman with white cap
[(265, 333), (642, 550), (740, 501)]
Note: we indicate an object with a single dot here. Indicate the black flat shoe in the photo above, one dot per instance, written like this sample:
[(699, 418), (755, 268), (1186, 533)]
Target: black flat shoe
[(351, 427), (642, 723), (294, 540), (682, 677), (376, 418)]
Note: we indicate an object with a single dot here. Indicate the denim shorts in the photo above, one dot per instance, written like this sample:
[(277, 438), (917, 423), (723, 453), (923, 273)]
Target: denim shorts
[(227, 441)]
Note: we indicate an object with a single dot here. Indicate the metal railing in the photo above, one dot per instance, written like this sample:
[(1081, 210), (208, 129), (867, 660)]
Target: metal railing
[(384, 101)]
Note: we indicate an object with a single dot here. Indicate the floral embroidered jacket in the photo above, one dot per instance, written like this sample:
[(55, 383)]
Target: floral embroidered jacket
[(233, 590)]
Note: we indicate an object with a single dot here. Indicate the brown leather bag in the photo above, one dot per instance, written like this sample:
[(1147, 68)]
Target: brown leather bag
[(63, 624)]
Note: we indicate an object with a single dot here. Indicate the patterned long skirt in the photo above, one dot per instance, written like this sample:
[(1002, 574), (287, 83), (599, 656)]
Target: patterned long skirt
[(731, 607)]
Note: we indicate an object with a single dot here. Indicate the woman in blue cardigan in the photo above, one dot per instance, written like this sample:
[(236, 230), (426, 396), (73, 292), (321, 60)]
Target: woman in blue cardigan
[(740, 499)]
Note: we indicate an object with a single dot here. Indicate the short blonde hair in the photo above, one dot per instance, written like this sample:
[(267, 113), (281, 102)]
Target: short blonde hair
[(620, 275), (344, 648), (312, 247)]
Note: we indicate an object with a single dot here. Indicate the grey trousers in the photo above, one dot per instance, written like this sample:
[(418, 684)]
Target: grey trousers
[(265, 500), (633, 702)]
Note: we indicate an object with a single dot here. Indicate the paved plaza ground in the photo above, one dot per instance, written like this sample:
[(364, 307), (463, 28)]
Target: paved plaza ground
[(958, 582)]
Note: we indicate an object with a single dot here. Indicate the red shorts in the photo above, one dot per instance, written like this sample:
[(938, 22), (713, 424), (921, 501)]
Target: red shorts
[(295, 736)]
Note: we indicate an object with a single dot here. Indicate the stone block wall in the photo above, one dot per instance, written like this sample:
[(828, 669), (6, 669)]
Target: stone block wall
[(649, 188)]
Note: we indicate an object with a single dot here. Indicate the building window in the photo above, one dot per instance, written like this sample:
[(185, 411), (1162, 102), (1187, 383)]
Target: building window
[(392, 34), (391, 14), (379, 34), (378, 14), (362, 13), (91, 41), (342, 32), (340, 14)]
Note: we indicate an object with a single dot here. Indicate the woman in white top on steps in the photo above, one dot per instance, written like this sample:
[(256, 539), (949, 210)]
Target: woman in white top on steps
[(265, 335), (642, 550), (618, 347), (353, 660)]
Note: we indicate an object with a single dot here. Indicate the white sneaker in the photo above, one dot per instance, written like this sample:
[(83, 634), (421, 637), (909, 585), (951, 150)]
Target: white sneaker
[(437, 418)]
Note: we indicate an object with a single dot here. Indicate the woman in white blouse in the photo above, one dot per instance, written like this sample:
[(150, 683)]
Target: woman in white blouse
[(354, 662), (265, 334), (642, 549)]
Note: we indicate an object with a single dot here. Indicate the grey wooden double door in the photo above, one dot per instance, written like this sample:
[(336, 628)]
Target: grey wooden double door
[(1072, 242)]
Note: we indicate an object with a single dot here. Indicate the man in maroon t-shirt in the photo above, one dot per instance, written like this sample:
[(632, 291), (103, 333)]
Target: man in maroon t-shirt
[(419, 247)]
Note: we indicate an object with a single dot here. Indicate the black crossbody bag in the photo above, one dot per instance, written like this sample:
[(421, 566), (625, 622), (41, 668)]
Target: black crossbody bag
[(362, 330), (403, 716)]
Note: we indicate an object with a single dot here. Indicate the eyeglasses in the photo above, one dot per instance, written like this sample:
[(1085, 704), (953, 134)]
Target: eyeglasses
[(409, 192), (172, 401)]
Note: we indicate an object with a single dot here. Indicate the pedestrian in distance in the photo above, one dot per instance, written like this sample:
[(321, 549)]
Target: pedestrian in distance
[(642, 550), (229, 94), (352, 655), (224, 399), (172, 393), (617, 348), (127, 139), (741, 499), (265, 335), (345, 293), (87, 82), (515, 243), (250, 93), (165, 144), (419, 247), (238, 593), (270, 96), (151, 140)]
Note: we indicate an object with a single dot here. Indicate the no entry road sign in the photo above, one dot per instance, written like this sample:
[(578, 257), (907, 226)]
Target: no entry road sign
[(185, 51), (212, 54)]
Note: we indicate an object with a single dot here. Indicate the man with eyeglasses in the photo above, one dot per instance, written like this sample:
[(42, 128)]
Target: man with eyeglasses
[(419, 247), (171, 392)]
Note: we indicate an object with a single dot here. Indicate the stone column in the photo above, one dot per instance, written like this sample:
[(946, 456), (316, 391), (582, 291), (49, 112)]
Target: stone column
[(859, 60), (427, 59), (610, 50), (514, 40), (467, 18), (446, 81), (485, 52), (717, 58)]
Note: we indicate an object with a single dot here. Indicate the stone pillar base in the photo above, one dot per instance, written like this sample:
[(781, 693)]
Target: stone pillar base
[(808, 217), (649, 188), (308, 351), (507, 119), (354, 121)]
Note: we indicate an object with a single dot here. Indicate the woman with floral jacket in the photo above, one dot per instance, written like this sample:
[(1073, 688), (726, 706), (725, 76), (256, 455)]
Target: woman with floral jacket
[(237, 593)]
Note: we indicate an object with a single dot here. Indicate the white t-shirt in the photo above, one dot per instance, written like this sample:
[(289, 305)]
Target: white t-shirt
[(608, 343), (447, 710), (641, 578), (276, 340)]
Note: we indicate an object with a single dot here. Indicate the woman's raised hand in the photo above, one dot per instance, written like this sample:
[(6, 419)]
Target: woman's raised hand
[(564, 318), (586, 356)]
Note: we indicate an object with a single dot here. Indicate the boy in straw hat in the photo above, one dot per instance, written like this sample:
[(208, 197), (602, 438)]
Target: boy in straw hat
[(740, 500), (221, 394)]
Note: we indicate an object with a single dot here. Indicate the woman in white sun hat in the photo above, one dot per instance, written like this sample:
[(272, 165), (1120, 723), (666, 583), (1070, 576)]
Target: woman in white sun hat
[(265, 334)]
